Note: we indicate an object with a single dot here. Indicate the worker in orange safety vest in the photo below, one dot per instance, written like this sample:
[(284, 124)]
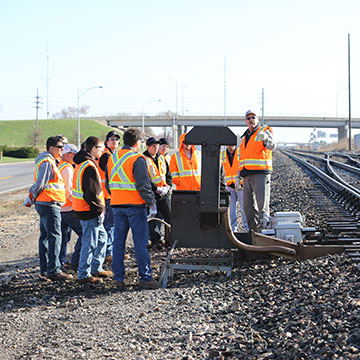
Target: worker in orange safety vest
[(48, 194), (69, 220), (230, 159), (185, 167), (89, 204), (128, 182), (111, 144), (255, 168)]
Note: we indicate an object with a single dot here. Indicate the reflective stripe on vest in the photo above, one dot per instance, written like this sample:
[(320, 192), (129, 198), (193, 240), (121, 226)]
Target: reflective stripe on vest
[(55, 188), (157, 175), (230, 170), (121, 179), (102, 174), (181, 171), (63, 165)]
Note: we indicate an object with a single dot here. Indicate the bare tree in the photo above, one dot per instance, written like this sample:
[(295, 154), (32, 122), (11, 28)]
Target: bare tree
[(71, 112)]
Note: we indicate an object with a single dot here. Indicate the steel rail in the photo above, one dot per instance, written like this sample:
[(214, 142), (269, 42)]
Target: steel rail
[(337, 186)]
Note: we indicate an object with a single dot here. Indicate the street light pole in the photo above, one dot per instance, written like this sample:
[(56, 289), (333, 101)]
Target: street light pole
[(175, 114), (143, 114), (78, 109), (182, 98)]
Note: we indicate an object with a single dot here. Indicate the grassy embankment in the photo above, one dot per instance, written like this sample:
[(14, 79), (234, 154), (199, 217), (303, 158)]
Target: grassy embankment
[(21, 132)]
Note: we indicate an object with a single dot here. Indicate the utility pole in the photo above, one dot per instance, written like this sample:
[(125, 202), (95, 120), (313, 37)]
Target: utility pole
[(349, 92), (262, 108), (37, 107), (47, 79), (224, 90)]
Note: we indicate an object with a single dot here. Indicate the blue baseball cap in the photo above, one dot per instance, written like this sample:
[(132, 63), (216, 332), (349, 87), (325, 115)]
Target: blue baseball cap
[(250, 112)]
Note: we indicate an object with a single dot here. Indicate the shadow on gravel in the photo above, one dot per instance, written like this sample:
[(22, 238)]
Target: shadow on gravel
[(18, 264)]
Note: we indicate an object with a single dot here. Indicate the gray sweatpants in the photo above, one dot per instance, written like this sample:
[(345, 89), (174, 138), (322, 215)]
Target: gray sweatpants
[(257, 200)]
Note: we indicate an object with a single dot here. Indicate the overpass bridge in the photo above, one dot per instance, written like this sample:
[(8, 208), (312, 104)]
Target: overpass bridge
[(182, 122)]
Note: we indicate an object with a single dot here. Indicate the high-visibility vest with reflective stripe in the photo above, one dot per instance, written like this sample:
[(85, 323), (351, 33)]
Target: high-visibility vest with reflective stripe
[(230, 170), (78, 201), (122, 183), (255, 156), (63, 165), (102, 175), (157, 174), (166, 157), (55, 188), (186, 173)]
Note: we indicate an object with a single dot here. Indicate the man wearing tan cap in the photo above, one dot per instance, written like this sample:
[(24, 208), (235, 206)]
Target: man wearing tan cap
[(255, 168)]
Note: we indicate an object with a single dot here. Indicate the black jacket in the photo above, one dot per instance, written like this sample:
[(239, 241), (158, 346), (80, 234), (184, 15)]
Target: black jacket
[(91, 187)]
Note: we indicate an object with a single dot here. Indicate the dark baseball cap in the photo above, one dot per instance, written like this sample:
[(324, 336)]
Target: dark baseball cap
[(164, 141), (111, 134), (151, 141)]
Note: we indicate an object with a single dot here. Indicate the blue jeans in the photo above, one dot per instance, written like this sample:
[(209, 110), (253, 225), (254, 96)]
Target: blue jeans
[(236, 197), (109, 227), (69, 222), (93, 247), (134, 218), (50, 238)]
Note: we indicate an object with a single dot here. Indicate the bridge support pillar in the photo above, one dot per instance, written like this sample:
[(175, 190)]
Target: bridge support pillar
[(342, 132), (181, 129)]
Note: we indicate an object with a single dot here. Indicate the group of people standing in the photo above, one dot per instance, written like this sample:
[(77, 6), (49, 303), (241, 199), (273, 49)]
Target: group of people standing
[(101, 191)]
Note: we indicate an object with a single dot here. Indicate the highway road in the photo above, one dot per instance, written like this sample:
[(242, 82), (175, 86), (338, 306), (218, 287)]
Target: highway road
[(15, 176)]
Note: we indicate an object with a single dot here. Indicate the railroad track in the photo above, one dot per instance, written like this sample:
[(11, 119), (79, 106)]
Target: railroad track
[(338, 199)]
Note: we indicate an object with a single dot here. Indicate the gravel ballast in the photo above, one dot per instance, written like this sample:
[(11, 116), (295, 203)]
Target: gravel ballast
[(267, 309)]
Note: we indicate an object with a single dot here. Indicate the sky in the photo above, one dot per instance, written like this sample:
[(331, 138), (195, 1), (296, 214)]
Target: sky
[(140, 51)]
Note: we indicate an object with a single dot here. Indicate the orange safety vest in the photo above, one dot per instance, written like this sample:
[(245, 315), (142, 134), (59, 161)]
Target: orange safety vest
[(62, 165), (102, 175), (121, 178), (78, 201), (186, 173), (230, 170), (255, 156), (55, 188), (157, 174)]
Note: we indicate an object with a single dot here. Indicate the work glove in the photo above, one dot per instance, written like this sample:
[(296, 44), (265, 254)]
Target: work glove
[(238, 183), (152, 211), (29, 200), (162, 191), (263, 136)]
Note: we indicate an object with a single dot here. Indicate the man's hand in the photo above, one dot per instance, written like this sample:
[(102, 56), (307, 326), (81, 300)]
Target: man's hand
[(263, 136), (152, 211), (238, 183), (162, 191), (29, 200)]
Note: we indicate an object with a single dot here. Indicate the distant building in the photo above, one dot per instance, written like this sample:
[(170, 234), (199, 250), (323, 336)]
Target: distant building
[(357, 141)]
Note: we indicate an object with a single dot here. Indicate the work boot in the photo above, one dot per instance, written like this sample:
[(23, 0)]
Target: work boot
[(61, 276), (90, 280), (103, 274), (149, 285)]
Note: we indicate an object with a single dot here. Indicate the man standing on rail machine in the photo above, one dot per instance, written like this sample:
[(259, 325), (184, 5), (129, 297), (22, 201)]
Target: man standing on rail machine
[(255, 168)]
